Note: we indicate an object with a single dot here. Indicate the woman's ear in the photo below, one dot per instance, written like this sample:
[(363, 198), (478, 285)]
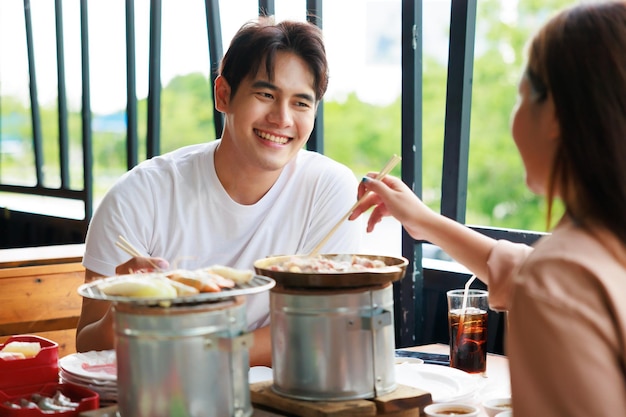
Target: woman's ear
[(222, 94)]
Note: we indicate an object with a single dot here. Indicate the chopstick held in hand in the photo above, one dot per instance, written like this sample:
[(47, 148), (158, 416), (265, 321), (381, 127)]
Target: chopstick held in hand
[(127, 247), (383, 172)]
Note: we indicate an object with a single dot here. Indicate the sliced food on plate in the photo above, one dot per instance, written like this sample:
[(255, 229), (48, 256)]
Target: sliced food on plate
[(202, 280), (176, 283), (139, 285), (239, 276)]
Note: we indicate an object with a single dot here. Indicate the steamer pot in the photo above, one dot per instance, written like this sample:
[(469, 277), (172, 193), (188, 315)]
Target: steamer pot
[(332, 332), (185, 360), (182, 356), (332, 346)]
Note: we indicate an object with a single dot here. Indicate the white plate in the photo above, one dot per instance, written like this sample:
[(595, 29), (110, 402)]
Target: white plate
[(76, 379), (445, 384), (259, 374), (96, 365)]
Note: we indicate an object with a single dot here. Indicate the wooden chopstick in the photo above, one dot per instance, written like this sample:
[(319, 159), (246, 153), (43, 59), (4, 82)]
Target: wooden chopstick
[(127, 247), (383, 172)]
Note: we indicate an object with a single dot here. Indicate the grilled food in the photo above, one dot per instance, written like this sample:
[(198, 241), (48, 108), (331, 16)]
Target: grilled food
[(177, 283)]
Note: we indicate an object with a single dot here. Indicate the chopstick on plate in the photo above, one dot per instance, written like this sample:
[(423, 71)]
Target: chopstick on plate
[(127, 247), (383, 172)]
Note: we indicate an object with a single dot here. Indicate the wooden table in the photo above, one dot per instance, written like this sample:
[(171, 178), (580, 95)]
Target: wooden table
[(496, 382)]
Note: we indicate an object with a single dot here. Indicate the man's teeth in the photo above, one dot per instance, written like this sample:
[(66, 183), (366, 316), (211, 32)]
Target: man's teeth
[(276, 139)]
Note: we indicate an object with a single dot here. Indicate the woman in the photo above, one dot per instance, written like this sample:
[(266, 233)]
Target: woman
[(566, 296)]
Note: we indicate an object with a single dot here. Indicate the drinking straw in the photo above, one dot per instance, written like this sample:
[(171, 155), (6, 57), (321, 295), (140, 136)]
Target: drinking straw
[(465, 292), (463, 307)]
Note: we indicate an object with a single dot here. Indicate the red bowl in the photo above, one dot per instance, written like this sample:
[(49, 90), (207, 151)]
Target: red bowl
[(38, 370)]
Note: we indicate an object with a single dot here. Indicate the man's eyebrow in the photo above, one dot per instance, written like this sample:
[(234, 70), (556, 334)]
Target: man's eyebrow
[(264, 84), (270, 86)]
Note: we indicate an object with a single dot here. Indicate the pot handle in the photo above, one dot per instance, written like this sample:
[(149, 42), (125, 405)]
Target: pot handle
[(376, 321)]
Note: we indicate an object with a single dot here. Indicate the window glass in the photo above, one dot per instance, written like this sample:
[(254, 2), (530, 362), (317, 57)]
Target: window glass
[(17, 164), (497, 194), (362, 106)]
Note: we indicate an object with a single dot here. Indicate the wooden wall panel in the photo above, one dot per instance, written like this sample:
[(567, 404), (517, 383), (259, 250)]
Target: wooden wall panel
[(42, 300)]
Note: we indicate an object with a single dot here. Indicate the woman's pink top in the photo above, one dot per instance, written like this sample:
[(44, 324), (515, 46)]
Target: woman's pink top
[(566, 333)]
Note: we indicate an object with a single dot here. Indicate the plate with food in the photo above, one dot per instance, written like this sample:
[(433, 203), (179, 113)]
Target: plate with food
[(332, 270), (180, 286)]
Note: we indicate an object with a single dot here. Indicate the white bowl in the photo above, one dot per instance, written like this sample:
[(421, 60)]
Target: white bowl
[(505, 414), (447, 409), (494, 406)]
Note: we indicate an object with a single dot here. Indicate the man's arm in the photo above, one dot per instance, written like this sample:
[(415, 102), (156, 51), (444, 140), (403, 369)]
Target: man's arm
[(261, 350), (95, 326)]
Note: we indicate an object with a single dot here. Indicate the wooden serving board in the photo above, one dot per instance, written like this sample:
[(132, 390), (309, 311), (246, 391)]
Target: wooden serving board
[(404, 401)]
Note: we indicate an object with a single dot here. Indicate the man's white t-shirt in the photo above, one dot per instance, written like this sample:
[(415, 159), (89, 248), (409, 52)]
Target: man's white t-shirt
[(173, 206)]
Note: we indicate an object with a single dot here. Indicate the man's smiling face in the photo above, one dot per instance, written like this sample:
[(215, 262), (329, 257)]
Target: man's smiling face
[(269, 121)]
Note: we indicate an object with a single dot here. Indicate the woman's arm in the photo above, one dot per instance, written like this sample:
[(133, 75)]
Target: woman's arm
[(391, 197)]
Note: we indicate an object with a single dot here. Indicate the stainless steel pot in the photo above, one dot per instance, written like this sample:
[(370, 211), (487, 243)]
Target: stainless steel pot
[(182, 361), (332, 345), (183, 356)]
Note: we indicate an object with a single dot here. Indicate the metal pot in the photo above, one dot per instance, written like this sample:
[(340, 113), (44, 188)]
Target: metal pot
[(332, 345), (185, 360), (186, 356)]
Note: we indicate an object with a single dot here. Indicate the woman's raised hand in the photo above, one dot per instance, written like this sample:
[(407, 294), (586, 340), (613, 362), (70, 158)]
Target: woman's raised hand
[(391, 197)]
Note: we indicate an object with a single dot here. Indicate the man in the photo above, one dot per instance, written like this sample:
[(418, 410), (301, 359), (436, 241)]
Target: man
[(252, 194)]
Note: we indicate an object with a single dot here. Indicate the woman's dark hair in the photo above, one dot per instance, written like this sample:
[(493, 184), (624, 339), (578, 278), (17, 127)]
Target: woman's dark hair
[(579, 59), (257, 42)]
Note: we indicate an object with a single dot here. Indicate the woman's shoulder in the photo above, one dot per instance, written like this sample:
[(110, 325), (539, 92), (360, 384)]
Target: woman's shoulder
[(589, 243), (576, 254)]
